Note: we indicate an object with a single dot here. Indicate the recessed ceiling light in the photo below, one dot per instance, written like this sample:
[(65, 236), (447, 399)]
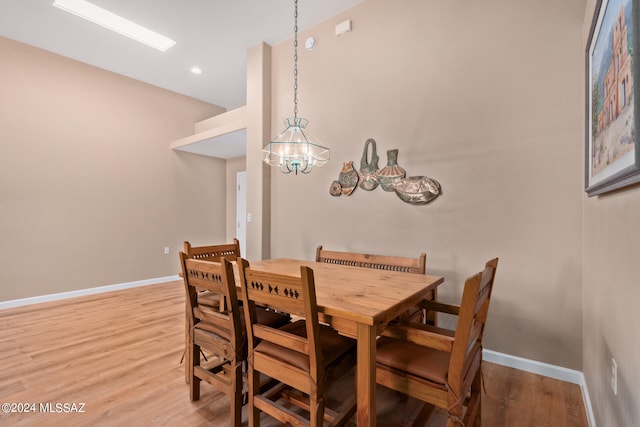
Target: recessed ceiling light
[(196, 70), (114, 22)]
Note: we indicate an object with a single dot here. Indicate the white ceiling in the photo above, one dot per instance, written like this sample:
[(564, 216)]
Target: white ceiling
[(211, 34)]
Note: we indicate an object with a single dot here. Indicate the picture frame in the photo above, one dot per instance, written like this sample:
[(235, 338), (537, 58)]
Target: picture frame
[(612, 146)]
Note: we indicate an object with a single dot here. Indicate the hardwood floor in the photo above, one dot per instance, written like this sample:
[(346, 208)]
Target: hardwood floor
[(116, 356)]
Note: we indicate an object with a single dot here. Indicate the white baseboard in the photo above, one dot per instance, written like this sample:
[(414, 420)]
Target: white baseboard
[(84, 292), (547, 370)]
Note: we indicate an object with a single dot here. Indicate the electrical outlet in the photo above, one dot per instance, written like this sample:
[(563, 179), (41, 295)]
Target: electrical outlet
[(167, 250), (614, 376)]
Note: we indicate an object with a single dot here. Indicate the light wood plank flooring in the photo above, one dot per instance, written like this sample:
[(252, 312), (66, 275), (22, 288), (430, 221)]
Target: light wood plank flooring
[(117, 356)]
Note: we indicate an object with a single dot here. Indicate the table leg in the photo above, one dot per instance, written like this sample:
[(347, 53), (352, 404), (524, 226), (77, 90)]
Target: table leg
[(366, 376)]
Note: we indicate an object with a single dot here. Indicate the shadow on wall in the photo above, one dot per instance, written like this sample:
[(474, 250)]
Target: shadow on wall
[(616, 410), (521, 324), (627, 409), (522, 331)]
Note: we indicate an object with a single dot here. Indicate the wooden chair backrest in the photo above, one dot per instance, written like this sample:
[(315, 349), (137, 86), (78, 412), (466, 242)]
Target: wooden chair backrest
[(471, 322), (286, 294), (380, 262), (230, 251), (218, 278)]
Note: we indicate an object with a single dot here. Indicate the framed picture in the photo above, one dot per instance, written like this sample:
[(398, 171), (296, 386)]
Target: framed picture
[(612, 158)]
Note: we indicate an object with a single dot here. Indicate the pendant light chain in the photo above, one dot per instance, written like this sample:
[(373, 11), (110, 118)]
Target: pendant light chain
[(294, 149), (295, 61)]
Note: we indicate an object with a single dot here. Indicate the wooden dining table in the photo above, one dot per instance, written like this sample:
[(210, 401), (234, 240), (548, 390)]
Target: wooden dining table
[(359, 303)]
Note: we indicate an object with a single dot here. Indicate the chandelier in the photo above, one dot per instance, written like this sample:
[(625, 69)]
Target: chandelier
[(295, 149)]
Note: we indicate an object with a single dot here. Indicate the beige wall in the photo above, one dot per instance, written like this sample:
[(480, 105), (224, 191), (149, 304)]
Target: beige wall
[(487, 98), (90, 192), (611, 292)]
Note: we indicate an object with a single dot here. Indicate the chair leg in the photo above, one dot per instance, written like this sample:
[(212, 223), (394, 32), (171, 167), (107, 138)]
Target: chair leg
[(316, 410), (455, 416), (236, 397), (431, 316), (187, 351), (253, 378), (473, 413), (476, 389), (192, 362)]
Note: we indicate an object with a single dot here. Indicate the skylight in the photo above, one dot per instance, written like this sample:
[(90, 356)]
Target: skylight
[(114, 22)]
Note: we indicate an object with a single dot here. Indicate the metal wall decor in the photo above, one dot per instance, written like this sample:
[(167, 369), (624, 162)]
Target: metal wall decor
[(415, 190)]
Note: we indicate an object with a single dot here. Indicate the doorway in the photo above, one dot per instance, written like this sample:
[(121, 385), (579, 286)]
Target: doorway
[(241, 211)]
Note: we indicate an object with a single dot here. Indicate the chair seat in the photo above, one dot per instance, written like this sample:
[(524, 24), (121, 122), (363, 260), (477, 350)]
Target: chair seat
[(333, 346), (414, 359)]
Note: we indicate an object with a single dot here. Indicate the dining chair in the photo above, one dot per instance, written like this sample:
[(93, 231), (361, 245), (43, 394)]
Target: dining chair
[(215, 253), (230, 251), (305, 357), (383, 262), (438, 366), (218, 333)]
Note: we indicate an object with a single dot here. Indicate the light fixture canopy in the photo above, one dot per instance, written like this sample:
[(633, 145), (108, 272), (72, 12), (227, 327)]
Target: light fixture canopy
[(113, 22), (295, 149)]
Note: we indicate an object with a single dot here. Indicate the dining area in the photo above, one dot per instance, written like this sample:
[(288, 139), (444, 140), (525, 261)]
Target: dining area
[(277, 334)]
